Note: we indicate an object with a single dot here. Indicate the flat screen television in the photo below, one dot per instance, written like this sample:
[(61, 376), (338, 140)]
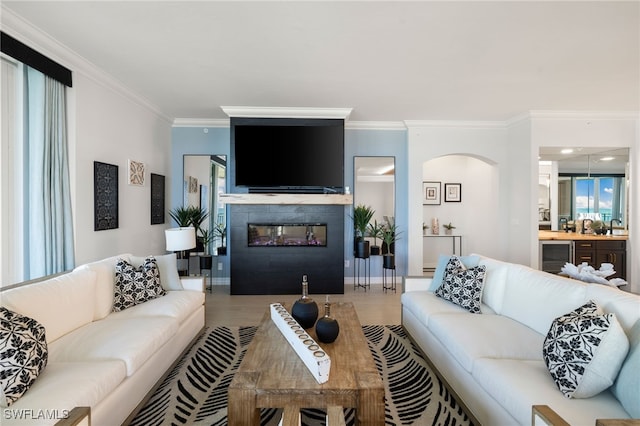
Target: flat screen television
[(288, 155)]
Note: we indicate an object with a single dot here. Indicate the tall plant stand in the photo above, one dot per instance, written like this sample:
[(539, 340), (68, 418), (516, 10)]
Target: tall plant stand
[(206, 264), (362, 272), (390, 282)]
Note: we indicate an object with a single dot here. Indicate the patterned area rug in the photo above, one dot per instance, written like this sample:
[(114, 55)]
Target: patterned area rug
[(195, 392)]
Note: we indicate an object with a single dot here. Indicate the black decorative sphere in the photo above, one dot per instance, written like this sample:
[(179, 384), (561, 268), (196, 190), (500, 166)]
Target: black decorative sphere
[(327, 329), (305, 311)]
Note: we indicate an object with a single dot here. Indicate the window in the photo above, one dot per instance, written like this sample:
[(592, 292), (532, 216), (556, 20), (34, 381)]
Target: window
[(594, 195)]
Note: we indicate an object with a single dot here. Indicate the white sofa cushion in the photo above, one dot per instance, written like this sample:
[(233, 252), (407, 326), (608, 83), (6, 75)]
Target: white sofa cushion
[(62, 386), (625, 305), (23, 348), (132, 340), (469, 337), (584, 351), (494, 283), (105, 271), (425, 304), (168, 266), (527, 297), (518, 384), (176, 304), (61, 304)]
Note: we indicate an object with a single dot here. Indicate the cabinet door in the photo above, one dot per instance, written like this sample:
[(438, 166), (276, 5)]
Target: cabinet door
[(585, 252), (612, 252)]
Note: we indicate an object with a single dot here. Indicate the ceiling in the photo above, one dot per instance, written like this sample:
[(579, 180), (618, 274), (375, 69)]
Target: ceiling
[(389, 61), (587, 159)]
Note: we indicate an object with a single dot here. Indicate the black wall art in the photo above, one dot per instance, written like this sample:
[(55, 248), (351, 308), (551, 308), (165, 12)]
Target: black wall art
[(157, 199), (105, 196)]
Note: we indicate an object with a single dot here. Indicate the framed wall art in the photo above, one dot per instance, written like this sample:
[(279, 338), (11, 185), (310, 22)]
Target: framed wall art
[(431, 193), (452, 192), (157, 199), (105, 196), (136, 173)]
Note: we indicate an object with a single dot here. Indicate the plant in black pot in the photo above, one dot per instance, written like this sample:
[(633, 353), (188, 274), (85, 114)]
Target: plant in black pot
[(191, 216), (375, 231), (361, 217), (207, 237), (220, 231), (391, 234)]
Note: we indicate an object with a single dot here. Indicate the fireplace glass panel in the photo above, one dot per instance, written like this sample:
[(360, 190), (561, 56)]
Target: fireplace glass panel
[(287, 234)]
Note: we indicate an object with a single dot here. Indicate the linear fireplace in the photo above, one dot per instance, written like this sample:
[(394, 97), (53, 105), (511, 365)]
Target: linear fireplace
[(311, 242), (287, 234)]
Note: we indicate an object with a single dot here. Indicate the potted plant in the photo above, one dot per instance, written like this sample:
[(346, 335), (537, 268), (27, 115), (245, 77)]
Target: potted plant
[(375, 231), (599, 227), (220, 231), (448, 228), (182, 216), (207, 237), (361, 217), (391, 234)]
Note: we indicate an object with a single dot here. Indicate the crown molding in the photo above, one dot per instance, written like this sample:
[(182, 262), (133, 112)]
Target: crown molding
[(375, 125), (457, 124), (590, 115), (201, 122), (37, 39), (287, 112)]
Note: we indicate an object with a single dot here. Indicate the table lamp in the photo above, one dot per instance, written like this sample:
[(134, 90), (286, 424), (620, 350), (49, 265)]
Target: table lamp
[(180, 240)]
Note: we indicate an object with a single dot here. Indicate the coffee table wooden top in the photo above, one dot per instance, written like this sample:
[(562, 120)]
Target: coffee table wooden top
[(272, 374)]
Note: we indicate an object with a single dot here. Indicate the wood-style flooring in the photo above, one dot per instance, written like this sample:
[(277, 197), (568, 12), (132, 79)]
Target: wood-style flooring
[(373, 306)]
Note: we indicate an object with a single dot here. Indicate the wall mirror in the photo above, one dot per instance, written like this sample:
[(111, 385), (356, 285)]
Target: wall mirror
[(586, 183), (374, 186), (204, 180)]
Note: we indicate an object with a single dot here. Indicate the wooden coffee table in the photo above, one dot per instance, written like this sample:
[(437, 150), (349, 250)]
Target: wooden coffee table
[(272, 375)]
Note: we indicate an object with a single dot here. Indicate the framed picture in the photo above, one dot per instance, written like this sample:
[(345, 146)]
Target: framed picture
[(431, 193), (452, 192), (193, 185), (105, 196), (157, 199), (136, 173)]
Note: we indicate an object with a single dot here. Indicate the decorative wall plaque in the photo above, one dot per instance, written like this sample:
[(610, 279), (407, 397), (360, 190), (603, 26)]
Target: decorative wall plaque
[(157, 199), (105, 196), (136, 173)]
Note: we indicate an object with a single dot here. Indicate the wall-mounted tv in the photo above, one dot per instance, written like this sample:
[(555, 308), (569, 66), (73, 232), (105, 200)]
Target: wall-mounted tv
[(288, 154)]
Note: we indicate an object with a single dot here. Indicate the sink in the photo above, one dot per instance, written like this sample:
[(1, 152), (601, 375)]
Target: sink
[(619, 232)]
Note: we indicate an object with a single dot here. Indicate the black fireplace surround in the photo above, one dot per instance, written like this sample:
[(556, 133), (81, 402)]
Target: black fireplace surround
[(273, 246)]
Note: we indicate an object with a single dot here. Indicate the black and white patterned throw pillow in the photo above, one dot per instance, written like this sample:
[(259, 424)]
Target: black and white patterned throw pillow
[(454, 265), (584, 351), (463, 286), (23, 354), (136, 285)]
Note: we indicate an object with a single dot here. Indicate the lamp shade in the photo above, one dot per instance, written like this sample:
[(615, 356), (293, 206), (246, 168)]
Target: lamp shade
[(179, 239)]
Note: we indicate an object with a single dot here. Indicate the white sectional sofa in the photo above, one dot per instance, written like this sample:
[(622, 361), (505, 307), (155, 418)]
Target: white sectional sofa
[(97, 358), (494, 360)]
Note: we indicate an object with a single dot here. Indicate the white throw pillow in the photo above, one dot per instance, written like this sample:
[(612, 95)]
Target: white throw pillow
[(584, 351), (24, 354), (168, 266)]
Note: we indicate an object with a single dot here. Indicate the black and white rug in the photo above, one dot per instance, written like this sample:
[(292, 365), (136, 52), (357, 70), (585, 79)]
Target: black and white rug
[(195, 392)]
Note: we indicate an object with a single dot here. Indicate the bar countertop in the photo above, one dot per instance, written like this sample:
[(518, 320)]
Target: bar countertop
[(575, 236)]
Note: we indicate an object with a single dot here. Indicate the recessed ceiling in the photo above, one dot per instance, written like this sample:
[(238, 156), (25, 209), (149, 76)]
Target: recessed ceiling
[(388, 60)]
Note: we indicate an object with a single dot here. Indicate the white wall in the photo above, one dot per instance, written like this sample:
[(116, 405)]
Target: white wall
[(597, 130), (486, 142), (474, 217), (107, 123), (113, 129)]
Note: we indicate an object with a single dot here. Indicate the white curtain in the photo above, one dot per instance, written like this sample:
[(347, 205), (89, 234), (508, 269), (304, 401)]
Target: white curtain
[(49, 231)]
